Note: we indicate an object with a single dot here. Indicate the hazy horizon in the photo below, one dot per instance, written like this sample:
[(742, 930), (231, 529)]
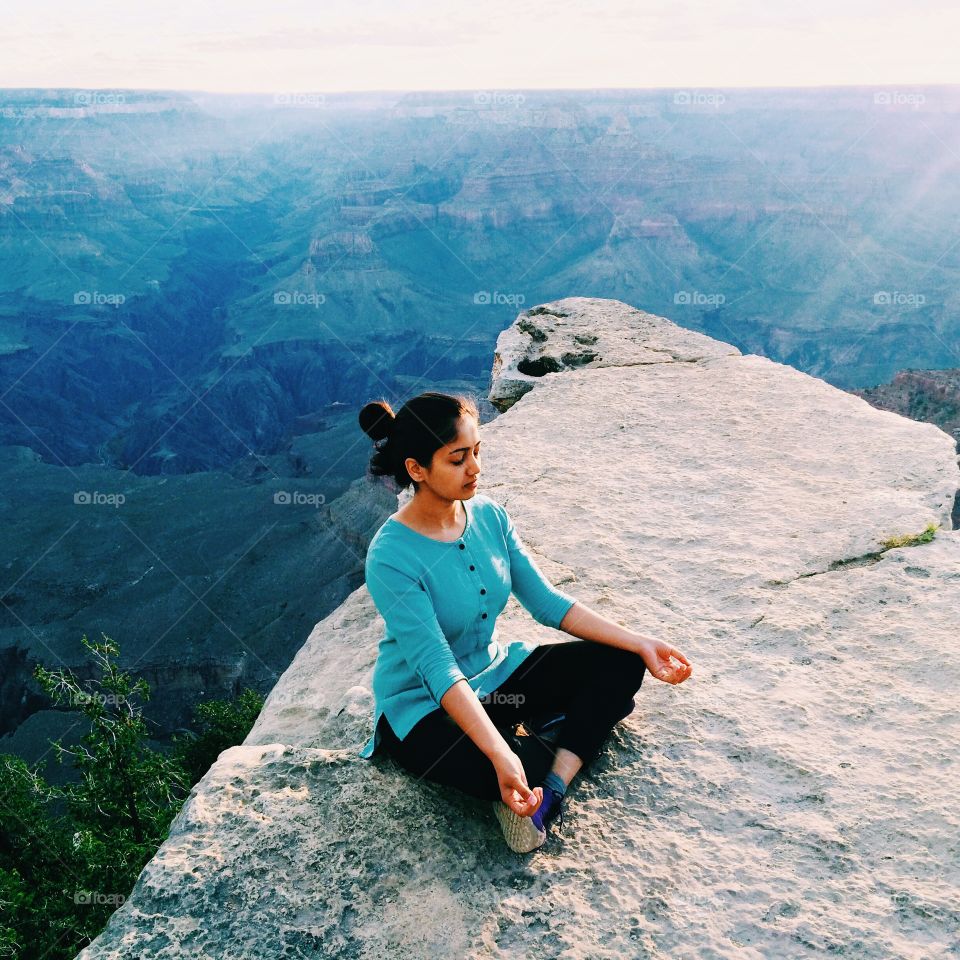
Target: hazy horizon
[(422, 46), (470, 90)]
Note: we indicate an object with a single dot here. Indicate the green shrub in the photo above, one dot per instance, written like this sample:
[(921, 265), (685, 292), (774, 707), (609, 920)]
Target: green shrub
[(70, 855), (222, 724)]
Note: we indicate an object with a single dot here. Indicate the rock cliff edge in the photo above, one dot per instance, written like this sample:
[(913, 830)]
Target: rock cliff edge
[(795, 797)]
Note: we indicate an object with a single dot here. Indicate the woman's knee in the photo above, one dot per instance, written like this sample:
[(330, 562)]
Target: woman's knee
[(624, 667), (628, 709)]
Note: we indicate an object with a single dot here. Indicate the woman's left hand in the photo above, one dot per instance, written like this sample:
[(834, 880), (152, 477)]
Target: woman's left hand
[(659, 656)]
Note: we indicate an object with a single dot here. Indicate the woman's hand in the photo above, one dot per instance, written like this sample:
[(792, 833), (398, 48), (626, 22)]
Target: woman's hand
[(513, 785), (659, 657)]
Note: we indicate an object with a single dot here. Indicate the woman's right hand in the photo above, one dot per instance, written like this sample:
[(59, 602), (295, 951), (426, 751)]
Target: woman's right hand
[(514, 791)]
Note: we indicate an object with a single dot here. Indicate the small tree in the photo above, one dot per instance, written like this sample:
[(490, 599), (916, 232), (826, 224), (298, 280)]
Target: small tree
[(121, 808), (126, 788), (222, 724), (38, 867), (63, 872)]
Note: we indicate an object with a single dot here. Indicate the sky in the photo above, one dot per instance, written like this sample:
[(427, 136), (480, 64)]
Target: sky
[(314, 45)]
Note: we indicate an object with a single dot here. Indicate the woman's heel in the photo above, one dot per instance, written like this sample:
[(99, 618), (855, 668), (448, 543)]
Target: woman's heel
[(521, 833)]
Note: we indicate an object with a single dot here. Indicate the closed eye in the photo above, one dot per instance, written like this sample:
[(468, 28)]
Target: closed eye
[(463, 458)]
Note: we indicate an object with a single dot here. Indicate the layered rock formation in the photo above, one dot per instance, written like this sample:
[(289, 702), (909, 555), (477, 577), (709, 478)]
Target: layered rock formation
[(931, 395), (794, 797)]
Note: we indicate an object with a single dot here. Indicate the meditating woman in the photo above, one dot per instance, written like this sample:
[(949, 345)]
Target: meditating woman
[(448, 695)]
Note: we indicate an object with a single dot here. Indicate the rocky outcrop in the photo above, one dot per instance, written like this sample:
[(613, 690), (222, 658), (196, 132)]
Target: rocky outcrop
[(930, 395), (552, 337), (793, 797)]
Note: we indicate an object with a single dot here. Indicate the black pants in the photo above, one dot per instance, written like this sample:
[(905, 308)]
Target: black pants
[(592, 683)]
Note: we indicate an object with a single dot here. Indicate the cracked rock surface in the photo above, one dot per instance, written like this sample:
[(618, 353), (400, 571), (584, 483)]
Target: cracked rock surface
[(585, 332), (794, 798)]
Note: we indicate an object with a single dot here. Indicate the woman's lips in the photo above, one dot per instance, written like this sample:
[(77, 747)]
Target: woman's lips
[(472, 483)]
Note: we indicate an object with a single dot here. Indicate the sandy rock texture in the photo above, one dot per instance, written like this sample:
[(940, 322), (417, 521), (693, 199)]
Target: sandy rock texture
[(796, 797)]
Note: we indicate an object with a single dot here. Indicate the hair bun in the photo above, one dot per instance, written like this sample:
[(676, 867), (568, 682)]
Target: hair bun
[(377, 420)]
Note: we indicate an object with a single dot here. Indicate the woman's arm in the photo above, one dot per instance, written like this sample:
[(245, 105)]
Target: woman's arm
[(462, 703), (580, 621), (410, 619)]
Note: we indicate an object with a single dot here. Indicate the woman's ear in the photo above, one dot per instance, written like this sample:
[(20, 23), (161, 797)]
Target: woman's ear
[(414, 469)]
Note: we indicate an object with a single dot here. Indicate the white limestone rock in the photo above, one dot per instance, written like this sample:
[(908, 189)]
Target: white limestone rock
[(587, 332), (796, 796)]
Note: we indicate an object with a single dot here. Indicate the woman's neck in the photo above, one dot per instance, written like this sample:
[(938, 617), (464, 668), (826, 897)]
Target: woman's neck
[(435, 513)]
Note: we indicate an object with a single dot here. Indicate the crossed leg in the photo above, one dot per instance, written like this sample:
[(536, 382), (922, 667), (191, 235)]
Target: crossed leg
[(592, 683)]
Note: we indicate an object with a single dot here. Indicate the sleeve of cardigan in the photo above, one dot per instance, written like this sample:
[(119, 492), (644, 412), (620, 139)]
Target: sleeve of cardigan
[(544, 602), (410, 619)]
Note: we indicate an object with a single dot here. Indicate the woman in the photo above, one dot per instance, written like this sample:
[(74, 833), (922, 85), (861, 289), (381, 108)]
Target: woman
[(447, 693)]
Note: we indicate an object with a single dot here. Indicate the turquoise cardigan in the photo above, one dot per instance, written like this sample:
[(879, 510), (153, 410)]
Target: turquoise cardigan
[(439, 602)]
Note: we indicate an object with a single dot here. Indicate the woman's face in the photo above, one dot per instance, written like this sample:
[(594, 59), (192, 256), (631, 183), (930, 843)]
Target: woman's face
[(455, 464)]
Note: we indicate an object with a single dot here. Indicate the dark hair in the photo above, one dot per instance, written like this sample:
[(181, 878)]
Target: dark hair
[(424, 424)]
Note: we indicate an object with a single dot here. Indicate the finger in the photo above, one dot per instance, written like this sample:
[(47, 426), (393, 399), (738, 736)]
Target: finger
[(523, 796), (679, 656), (533, 801), (672, 674), (522, 807)]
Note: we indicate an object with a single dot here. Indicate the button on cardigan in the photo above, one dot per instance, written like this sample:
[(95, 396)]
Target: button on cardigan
[(439, 602)]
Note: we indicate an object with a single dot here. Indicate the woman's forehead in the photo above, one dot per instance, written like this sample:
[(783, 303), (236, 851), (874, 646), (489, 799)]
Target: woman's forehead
[(469, 435)]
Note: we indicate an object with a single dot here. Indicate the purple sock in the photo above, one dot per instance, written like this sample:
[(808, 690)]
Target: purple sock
[(555, 783)]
